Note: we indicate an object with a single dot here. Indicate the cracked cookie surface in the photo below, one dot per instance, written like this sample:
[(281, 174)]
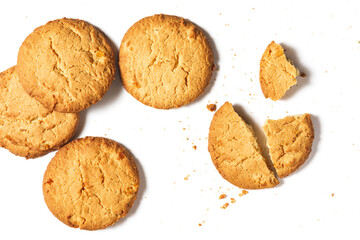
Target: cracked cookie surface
[(28, 129), (235, 152), (66, 64), (91, 183), (277, 74), (165, 61), (289, 140)]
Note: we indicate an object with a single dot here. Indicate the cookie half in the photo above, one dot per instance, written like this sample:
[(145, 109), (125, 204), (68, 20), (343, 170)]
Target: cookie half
[(289, 140), (235, 152), (28, 129), (277, 74), (66, 64), (165, 61), (91, 183)]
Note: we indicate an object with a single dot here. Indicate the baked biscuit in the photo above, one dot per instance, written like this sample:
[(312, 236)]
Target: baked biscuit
[(28, 129), (289, 141), (235, 152), (91, 183), (277, 74), (165, 61), (66, 64)]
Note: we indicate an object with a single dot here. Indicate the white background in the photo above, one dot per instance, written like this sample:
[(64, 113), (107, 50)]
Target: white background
[(322, 37)]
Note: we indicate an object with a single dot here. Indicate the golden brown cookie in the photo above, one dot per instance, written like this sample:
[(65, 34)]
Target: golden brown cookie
[(277, 74), (165, 61), (91, 183), (235, 152), (28, 129), (66, 64), (289, 141)]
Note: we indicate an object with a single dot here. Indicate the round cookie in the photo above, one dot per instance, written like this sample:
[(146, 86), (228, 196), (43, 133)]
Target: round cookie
[(165, 61), (28, 129), (235, 152), (91, 183), (66, 64), (289, 140)]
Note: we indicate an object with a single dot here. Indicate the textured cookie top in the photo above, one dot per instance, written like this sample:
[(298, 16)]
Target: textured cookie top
[(236, 153), (165, 61), (66, 64), (289, 141), (91, 183), (277, 74), (28, 129)]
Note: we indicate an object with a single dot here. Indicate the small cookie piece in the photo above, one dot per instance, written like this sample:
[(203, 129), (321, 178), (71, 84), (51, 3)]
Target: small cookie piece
[(66, 64), (277, 74), (91, 183), (28, 129), (289, 141), (236, 153), (165, 61)]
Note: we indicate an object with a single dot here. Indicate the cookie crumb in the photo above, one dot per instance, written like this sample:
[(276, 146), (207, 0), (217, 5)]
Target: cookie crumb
[(184, 129), (233, 200), (200, 224), (222, 196), (332, 194), (225, 206), (243, 192), (194, 147), (211, 107), (187, 177), (302, 74)]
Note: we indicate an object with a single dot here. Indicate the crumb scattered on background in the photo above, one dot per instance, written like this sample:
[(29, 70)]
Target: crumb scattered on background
[(222, 196), (233, 200), (226, 25), (302, 74), (243, 192), (225, 206), (187, 177), (194, 147), (200, 224), (211, 107), (332, 194), (184, 129)]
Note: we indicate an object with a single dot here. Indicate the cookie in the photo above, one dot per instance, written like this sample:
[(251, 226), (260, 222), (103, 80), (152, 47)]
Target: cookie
[(277, 74), (289, 141), (235, 152), (91, 183), (66, 64), (28, 129), (165, 61)]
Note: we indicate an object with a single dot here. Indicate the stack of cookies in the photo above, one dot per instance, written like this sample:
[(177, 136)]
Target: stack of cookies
[(67, 65), (63, 67)]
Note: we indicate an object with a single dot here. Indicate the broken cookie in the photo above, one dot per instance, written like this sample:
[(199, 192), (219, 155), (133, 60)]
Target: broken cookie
[(235, 152), (289, 141), (277, 73)]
